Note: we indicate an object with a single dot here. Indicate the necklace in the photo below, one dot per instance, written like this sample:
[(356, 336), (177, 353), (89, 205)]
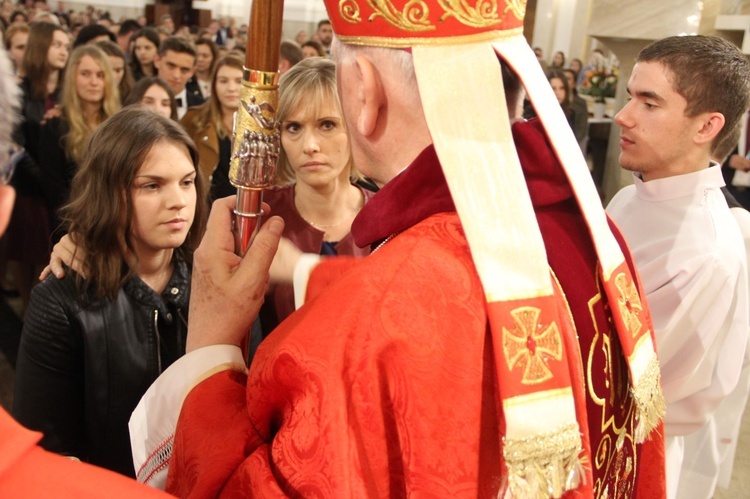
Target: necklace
[(329, 226), (323, 226)]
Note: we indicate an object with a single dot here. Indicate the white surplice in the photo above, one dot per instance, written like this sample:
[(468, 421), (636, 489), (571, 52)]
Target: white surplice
[(690, 254)]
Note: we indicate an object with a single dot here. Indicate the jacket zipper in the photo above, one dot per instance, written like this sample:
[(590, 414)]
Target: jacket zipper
[(158, 340)]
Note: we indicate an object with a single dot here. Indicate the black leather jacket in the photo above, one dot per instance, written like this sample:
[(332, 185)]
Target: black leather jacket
[(84, 364)]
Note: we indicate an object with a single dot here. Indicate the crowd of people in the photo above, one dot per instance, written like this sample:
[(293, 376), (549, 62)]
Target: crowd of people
[(121, 108), (495, 288), (77, 69)]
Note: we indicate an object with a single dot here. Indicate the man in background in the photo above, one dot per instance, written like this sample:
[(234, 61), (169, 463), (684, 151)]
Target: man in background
[(175, 64), (290, 55), (325, 34), (127, 29)]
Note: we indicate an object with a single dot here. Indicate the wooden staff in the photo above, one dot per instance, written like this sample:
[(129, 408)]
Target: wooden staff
[(256, 144)]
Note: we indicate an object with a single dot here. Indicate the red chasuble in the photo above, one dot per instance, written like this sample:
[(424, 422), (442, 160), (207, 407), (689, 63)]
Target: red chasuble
[(382, 384), (28, 471)]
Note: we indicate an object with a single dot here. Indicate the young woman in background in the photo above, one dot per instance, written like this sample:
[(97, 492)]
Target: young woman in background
[(89, 97), (145, 46), (155, 94), (210, 124), (120, 68), (44, 61)]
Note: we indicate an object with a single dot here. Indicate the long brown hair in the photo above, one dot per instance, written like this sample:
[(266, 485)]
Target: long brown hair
[(36, 65), (100, 215), (113, 50), (139, 90), (210, 111)]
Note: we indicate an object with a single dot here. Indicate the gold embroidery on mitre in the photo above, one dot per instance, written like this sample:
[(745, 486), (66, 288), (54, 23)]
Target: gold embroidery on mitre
[(349, 11), (483, 14), (629, 303), (517, 7), (415, 16), (528, 344)]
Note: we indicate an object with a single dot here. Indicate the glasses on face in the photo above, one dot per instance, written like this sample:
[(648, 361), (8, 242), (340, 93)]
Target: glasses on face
[(15, 154)]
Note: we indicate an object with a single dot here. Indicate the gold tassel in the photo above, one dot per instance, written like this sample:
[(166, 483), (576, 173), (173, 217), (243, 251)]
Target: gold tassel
[(544, 466), (649, 400)]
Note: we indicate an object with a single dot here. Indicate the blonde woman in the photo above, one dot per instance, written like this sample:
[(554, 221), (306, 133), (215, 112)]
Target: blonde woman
[(89, 97), (320, 197)]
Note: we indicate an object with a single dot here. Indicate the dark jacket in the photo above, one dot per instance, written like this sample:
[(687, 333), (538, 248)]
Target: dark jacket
[(29, 179), (84, 364)]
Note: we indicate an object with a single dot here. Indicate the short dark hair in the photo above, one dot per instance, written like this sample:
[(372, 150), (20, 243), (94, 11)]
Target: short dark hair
[(709, 72), (90, 32), (128, 26), (323, 21), (291, 52), (177, 44)]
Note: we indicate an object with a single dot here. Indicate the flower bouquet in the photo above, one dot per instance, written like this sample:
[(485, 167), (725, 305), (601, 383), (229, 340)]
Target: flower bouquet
[(600, 83)]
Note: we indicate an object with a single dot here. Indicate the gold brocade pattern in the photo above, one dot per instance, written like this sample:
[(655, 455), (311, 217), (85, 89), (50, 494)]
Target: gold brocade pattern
[(517, 7), (415, 15), (530, 344), (629, 303), (615, 457), (483, 14), (349, 11)]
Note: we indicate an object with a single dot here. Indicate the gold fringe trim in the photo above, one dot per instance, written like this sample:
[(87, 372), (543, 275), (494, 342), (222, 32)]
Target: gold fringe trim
[(649, 401), (546, 465)]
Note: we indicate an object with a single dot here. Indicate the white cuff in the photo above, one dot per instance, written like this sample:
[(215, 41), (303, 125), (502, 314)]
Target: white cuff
[(152, 424), (302, 270)]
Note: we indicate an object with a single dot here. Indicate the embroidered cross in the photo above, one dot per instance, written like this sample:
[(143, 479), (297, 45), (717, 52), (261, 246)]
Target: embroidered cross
[(530, 344), (630, 304)]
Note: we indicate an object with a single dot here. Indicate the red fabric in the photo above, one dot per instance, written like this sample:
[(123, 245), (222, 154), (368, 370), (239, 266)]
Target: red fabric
[(406, 23), (382, 385), (28, 471)]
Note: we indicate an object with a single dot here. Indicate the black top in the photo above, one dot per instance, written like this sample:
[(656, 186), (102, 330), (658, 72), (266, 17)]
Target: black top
[(84, 364)]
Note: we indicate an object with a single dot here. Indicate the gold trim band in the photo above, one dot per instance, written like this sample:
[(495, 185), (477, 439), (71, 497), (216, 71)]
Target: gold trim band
[(260, 79), (415, 41)]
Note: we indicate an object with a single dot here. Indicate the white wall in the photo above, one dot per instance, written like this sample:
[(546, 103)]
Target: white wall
[(561, 25)]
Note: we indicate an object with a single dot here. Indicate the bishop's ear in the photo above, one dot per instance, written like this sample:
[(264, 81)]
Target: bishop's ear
[(369, 94)]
